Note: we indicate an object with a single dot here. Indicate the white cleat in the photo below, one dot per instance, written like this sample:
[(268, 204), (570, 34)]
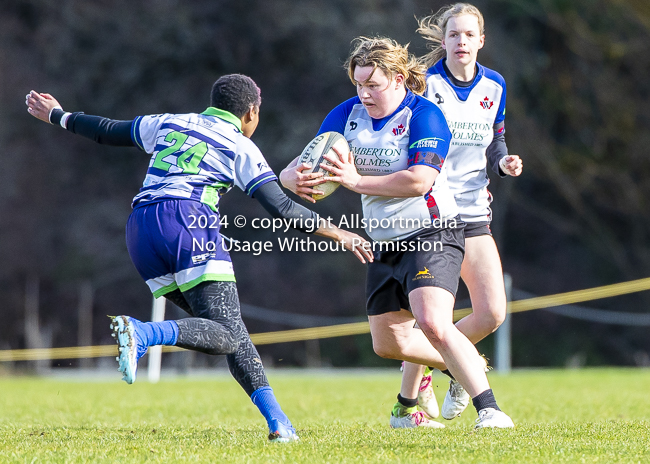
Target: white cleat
[(456, 400), (400, 418), (416, 419), (427, 402), (493, 418)]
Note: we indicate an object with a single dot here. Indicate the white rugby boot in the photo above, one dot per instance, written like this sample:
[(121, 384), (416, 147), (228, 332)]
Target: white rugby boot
[(493, 418), (402, 417), (427, 402), (456, 400)]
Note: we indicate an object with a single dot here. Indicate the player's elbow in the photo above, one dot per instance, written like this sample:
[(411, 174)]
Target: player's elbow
[(421, 188), (422, 180)]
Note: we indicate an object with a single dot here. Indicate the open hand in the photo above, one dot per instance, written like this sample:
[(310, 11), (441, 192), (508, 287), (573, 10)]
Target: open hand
[(40, 105)]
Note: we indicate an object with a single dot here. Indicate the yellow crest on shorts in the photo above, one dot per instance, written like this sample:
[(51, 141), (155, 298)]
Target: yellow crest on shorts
[(423, 275)]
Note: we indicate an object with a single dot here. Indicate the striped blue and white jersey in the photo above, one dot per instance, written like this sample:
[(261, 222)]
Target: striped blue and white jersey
[(472, 113), (197, 157), (415, 134)]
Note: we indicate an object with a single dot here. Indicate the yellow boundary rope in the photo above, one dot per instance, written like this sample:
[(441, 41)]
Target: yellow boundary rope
[(355, 328)]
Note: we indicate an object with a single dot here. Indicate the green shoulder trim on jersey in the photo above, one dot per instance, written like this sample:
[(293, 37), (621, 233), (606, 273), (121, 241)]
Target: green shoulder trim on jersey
[(225, 115), (207, 278)]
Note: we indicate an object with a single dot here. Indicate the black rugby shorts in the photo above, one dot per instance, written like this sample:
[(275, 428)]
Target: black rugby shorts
[(474, 229), (394, 274)]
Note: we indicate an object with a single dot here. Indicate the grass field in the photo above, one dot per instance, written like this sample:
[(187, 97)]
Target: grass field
[(596, 415)]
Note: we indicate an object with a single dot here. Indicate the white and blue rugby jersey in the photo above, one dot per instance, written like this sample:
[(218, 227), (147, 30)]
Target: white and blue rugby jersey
[(197, 157), (471, 112), (415, 134)]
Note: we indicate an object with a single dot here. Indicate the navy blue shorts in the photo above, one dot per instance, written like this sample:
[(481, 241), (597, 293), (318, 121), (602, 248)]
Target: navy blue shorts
[(176, 244)]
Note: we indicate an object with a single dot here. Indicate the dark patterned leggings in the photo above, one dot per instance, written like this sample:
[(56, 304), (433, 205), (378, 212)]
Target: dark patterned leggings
[(216, 327)]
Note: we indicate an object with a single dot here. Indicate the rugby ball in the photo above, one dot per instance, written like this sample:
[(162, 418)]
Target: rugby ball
[(314, 153)]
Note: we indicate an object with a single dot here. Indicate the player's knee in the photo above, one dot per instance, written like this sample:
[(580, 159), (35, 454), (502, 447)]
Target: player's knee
[(226, 342), (434, 330), (385, 350), (491, 318), (233, 343), (497, 319), (225, 347), (232, 349)]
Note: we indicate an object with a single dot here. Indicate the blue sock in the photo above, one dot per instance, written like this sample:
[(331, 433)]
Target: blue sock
[(155, 333), (265, 401)]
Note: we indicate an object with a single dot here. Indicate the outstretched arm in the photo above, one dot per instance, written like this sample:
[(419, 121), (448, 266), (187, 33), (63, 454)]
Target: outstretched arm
[(106, 131), (278, 205), (40, 105)]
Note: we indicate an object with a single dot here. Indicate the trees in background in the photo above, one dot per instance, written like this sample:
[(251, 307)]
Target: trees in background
[(578, 110)]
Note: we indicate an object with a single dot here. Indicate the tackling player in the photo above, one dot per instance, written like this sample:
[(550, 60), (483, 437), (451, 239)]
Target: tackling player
[(196, 158)]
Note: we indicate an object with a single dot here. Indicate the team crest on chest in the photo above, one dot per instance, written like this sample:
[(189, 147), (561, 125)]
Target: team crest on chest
[(486, 103), (399, 130)]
